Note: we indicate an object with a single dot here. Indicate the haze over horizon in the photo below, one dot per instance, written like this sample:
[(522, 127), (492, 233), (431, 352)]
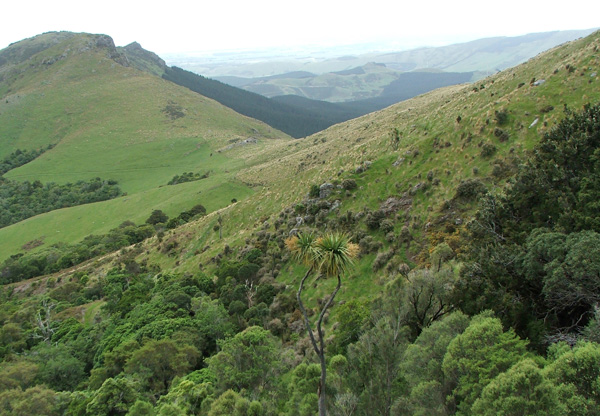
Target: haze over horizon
[(188, 27)]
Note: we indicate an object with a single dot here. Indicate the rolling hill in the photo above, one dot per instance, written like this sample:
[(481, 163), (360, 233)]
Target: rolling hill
[(103, 117)]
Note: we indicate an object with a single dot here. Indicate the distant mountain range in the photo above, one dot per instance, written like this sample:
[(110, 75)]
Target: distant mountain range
[(488, 55), (353, 85), (296, 114)]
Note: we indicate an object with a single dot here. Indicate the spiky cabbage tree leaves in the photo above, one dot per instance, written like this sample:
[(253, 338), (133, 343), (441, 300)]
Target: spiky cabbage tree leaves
[(330, 255)]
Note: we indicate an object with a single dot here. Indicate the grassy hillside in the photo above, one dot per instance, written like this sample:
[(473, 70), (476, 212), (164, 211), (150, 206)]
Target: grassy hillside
[(435, 317), (108, 119), (443, 138)]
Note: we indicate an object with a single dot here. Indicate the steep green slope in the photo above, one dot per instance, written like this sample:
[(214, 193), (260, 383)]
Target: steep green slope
[(205, 319), (108, 119), (418, 151)]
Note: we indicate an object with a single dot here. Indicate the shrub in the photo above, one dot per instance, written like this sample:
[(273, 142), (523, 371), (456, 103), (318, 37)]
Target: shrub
[(470, 189), (349, 184), (314, 191), (501, 117), (488, 150), (502, 135), (386, 226), (374, 219), (382, 259)]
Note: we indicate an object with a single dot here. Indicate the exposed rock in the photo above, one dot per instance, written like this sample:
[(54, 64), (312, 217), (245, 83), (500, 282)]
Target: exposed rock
[(398, 162), (363, 166), (325, 190), (144, 60), (106, 42), (393, 205), (238, 142), (416, 188), (539, 82)]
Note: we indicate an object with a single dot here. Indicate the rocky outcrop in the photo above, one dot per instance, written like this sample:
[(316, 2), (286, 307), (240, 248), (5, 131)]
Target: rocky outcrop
[(144, 60)]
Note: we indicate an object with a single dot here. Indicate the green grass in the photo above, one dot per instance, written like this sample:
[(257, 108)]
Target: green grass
[(136, 167), (285, 171), (432, 118), (115, 122), (91, 311), (73, 224)]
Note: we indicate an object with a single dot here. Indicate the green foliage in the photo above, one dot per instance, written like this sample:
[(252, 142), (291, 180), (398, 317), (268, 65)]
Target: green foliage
[(420, 298), (250, 360), (19, 158), (501, 117), (187, 177), (488, 150), (190, 396), (374, 219), (231, 403), (560, 183), (114, 397), (376, 377), (12, 339), (314, 191), (301, 390), (17, 374), (470, 189), (477, 356), (422, 367), (141, 408), (158, 362), (523, 389), (157, 217), (21, 200), (59, 368), (525, 273), (186, 216), (566, 267), (35, 400), (576, 372), (351, 318)]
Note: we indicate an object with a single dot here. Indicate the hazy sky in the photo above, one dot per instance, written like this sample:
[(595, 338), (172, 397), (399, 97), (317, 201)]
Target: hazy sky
[(200, 25)]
